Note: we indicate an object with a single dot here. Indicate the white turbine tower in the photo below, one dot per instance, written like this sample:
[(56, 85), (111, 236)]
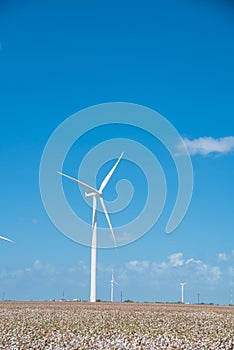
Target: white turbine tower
[(182, 284), (94, 193), (112, 282), (6, 239)]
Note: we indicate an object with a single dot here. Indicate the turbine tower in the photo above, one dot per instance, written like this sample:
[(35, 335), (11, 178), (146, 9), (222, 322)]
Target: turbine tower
[(96, 194), (6, 239), (182, 284), (112, 282)]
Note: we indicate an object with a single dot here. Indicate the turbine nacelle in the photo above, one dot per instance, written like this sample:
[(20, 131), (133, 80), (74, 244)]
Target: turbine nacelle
[(112, 282), (92, 194)]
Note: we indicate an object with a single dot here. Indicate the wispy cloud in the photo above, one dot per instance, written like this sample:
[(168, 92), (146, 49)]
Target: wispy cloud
[(207, 145), (136, 265), (184, 268), (215, 273), (231, 273), (44, 270), (37, 265), (222, 257), (226, 256), (176, 259), (211, 273)]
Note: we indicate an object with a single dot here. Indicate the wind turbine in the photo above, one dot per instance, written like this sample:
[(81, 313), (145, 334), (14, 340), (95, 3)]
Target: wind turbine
[(182, 284), (112, 282), (6, 239), (96, 194)]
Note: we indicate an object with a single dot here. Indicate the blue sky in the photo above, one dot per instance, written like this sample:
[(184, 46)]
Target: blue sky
[(175, 57)]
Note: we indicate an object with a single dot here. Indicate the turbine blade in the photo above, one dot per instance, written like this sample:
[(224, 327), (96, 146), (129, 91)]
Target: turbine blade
[(108, 220), (94, 211), (6, 239), (113, 280), (108, 176), (87, 187)]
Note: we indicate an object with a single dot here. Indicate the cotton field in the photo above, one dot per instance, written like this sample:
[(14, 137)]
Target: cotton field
[(82, 325)]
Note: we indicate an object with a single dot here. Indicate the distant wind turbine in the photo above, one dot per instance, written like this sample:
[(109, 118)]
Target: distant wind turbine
[(182, 284), (94, 193), (112, 282), (6, 239)]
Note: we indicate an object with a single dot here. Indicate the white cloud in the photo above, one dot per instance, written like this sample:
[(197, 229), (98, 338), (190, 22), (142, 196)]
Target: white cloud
[(44, 270), (162, 266), (231, 271), (193, 261), (28, 269), (226, 256), (187, 267), (37, 265), (176, 259), (222, 257), (138, 266), (207, 145), (215, 273)]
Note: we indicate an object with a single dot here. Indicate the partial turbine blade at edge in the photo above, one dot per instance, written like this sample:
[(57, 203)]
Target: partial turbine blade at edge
[(87, 187), (107, 178), (6, 239), (108, 220), (94, 211)]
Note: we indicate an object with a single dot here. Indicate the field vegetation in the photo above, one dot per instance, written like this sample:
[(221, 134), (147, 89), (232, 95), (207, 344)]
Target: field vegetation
[(82, 325)]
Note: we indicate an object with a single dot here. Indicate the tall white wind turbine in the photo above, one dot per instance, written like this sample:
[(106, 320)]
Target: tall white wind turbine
[(182, 284), (112, 282), (96, 194), (6, 239)]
